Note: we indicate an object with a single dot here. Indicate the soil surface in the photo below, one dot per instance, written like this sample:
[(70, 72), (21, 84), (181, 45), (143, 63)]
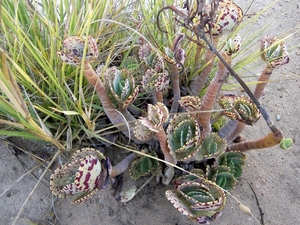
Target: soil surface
[(272, 173)]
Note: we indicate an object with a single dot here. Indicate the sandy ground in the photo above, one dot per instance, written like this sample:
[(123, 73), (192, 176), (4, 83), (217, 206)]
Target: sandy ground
[(273, 173)]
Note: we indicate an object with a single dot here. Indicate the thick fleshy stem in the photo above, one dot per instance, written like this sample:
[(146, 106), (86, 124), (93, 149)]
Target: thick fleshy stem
[(179, 56), (176, 89), (116, 118), (262, 81), (162, 138), (200, 33), (270, 140), (231, 130), (211, 95), (122, 166), (198, 82)]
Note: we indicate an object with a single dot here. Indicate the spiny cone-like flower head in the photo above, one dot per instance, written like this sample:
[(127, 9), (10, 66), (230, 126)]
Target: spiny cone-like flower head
[(87, 172), (274, 52), (74, 49)]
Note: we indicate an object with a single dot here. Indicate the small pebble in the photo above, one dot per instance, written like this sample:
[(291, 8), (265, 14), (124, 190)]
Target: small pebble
[(278, 117)]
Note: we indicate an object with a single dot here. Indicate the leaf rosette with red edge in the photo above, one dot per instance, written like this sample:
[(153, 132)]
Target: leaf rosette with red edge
[(87, 172), (197, 198), (121, 85), (183, 135)]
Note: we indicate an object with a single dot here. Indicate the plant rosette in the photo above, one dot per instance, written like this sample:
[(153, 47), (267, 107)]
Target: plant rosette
[(87, 172), (199, 199), (74, 49)]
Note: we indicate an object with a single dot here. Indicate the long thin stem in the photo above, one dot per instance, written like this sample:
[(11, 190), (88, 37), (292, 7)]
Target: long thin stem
[(176, 89)]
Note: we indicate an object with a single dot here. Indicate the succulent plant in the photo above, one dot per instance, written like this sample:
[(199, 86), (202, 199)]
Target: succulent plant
[(228, 15), (274, 52), (234, 160), (233, 45), (157, 115), (122, 86), (183, 135), (240, 108), (199, 199), (143, 166), (211, 147), (191, 104), (286, 143), (149, 57), (155, 81), (222, 177), (87, 172), (74, 49)]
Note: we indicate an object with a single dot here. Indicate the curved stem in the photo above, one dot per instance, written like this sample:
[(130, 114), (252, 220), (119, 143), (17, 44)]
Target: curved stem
[(112, 113), (122, 166), (162, 138), (236, 131), (263, 79), (231, 130), (270, 140)]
